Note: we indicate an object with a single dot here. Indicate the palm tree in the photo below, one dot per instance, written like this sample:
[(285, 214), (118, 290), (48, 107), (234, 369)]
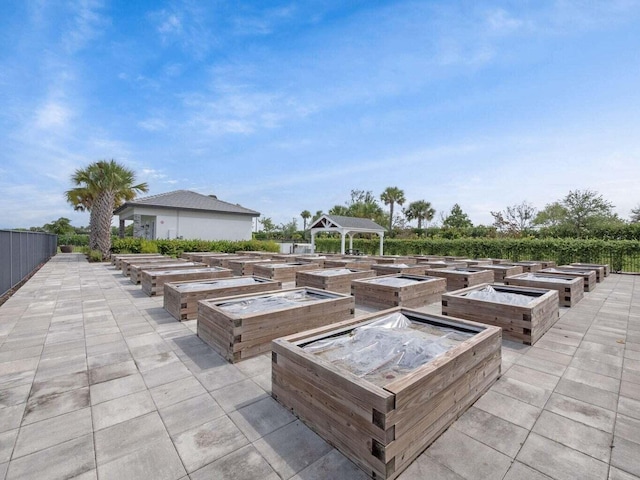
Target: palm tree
[(102, 187), (391, 196), (306, 215), (419, 210)]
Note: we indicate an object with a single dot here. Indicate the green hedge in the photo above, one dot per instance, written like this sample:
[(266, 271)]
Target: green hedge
[(177, 247), (621, 255), (76, 239)]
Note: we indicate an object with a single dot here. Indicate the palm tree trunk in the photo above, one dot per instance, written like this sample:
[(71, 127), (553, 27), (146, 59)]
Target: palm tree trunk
[(103, 209), (390, 217)]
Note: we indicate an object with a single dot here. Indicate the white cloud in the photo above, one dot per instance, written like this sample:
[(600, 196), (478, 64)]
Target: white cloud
[(153, 124), (53, 115), (87, 24)]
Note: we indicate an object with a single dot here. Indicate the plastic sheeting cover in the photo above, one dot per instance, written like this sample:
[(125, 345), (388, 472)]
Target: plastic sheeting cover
[(333, 272), (271, 302), (492, 295), (390, 347), (549, 278), (222, 283), (393, 281), (183, 270)]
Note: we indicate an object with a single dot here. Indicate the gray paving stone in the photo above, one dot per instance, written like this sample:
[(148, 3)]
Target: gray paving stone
[(208, 442), (520, 471), (522, 391), (564, 464), (110, 372), (121, 409), (583, 412), (221, 376), (473, 460), (260, 418), (118, 387), (587, 393), (50, 432), (255, 366), (533, 377), (624, 455), (333, 465), (292, 448), (243, 464), (123, 438), (238, 395), (155, 361), (576, 435), (542, 365), (14, 396), (616, 474), (51, 405), (65, 460), (157, 460), (425, 467), (509, 409), (7, 441), (190, 413), (630, 390), (628, 428), (176, 391), (552, 346), (166, 374), (11, 417), (503, 436), (593, 379), (629, 407)]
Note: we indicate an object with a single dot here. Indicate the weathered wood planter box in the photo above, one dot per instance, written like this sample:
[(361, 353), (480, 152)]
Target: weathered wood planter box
[(202, 256), (606, 270), (393, 259), (588, 276), (310, 258), (135, 271), (400, 290), (332, 279), (381, 412), (599, 269), (462, 277), (570, 289), (152, 281), (126, 263), (245, 266), (243, 326), (283, 272), (393, 268), (546, 263), (502, 271), (529, 267), (118, 258), (181, 298), (223, 260), (523, 313), (441, 264)]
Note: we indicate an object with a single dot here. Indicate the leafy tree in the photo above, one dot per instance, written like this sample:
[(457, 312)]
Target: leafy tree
[(316, 216), (391, 196), (61, 226), (578, 213), (419, 210), (363, 204), (457, 218), (100, 188), (268, 226), (306, 215), (516, 219), (289, 229), (635, 214)]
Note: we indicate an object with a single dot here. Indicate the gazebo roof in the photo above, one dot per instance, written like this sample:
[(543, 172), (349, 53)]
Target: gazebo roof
[(346, 224)]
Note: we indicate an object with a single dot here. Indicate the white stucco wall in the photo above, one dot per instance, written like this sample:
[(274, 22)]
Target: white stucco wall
[(188, 224)]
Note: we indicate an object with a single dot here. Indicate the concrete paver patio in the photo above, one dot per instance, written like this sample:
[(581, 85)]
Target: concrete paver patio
[(98, 381)]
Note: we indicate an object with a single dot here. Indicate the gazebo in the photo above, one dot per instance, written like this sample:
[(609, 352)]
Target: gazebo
[(345, 226)]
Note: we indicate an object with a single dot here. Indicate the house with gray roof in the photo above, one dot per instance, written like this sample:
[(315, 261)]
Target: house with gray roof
[(186, 214), (345, 226)]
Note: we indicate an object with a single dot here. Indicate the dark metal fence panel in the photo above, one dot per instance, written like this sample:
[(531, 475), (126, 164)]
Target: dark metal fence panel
[(21, 253)]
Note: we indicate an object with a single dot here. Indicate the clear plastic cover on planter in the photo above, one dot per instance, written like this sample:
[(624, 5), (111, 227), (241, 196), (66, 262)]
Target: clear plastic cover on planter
[(492, 295), (390, 347), (393, 281), (331, 272), (546, 278), (271, 302), (222, 283)]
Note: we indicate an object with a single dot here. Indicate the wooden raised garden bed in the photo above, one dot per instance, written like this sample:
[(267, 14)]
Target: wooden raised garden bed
[(332, 279), (283, 272), (502, 271), (393, 259), (181, 298), (117, 259), (462, 277), (362, 264), (523, 313), (398, 290), (606, 270), (392, 268), (245, 266), (599, 269), (126, 263), (589, 276), (382, 411), (243, 326), (223, 260), (441, 264), (135, 271), (529, 267), (570, 289), (152, 281)]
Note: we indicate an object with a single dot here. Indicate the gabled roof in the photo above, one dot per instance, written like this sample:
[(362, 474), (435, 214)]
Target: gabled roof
[(337, 222), (188, 200)]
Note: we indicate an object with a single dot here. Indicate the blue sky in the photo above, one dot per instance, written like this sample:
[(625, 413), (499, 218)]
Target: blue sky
[(286, 106)]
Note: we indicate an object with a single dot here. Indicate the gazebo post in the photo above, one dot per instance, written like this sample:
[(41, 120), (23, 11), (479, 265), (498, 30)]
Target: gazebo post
[(351, 242), (342, 242), (381, 242), (313, 241)]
